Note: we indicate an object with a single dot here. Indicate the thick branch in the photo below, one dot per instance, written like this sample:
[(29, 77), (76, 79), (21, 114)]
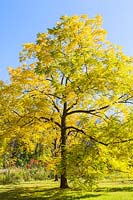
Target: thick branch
[(74, 104), (94, 139), (76, 129), (91, 111), (49, 120), (82, 131)]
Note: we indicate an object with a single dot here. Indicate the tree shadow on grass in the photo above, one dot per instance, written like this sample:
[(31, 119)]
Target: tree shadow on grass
[(44, 194), (115, 189), (120, 189)]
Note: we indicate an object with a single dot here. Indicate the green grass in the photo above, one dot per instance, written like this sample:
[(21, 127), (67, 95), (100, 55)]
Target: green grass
[(40, 190)]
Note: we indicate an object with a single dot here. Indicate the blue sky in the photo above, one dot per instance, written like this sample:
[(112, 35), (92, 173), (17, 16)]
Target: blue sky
[(21, 20)]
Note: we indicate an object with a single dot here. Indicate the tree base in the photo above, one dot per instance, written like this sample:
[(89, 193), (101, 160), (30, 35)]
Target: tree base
[(56, 177), (64, 187), (63, 183)]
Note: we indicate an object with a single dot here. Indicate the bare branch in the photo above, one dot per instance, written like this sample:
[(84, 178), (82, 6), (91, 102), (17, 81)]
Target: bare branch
[(53, 95), (54, 104), (27, 123), (17, 113), (121, 141), (62, 79)]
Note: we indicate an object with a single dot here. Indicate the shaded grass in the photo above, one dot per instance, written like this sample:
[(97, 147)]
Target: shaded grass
[(40, 190)]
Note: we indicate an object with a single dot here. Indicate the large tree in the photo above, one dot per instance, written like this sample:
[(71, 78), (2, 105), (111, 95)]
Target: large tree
[(86, 82)]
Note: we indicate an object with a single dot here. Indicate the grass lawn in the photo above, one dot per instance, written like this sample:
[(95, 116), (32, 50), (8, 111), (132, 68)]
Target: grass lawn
[(40, 190)]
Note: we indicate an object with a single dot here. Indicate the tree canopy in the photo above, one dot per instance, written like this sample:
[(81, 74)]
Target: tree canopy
[(74, 86)]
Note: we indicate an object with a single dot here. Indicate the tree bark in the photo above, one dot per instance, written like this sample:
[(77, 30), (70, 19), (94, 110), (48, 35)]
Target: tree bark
[(63, 180)]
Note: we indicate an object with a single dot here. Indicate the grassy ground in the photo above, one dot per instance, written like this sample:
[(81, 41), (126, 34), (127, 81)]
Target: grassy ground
[(50, 190)]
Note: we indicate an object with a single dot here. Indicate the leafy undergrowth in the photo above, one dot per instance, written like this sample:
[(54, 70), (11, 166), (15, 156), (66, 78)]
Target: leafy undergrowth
[(40, 190)]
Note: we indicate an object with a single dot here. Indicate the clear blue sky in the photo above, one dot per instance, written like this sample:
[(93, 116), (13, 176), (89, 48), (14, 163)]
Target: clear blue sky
[(21, 20)]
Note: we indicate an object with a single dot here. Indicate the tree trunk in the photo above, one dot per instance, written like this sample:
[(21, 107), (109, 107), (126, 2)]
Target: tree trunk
[(55, 177), (63, 181), (55, 156)]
